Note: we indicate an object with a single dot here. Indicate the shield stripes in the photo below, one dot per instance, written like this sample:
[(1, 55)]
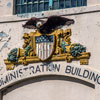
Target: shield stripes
[(44, 46)]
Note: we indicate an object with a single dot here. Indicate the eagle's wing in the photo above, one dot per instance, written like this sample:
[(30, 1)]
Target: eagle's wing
[(31, 23), (53, 22)]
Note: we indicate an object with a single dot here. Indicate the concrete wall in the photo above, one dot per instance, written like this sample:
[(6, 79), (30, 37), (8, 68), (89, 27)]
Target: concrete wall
[(6, 7), (49, 90), (86, 31), (93, 2)]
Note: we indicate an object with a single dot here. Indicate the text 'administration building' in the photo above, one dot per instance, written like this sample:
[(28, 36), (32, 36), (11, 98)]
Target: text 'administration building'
[(53, 56)]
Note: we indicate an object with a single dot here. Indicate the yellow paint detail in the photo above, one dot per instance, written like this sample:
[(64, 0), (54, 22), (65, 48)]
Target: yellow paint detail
[(57, 53)]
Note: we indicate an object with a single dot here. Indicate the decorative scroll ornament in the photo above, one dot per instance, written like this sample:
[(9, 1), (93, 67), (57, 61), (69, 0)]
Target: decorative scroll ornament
[(49, 47)]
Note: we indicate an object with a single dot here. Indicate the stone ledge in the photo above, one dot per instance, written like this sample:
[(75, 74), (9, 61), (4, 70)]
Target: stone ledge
[(44, 14)]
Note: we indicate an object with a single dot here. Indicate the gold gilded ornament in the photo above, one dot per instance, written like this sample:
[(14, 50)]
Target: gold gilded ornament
[(39, 47)]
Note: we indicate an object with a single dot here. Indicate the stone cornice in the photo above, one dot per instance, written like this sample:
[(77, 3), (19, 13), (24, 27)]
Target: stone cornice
[(44, 14)]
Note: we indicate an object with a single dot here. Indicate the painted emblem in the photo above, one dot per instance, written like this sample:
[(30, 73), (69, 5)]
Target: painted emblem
[(44, 46), (47, 43)]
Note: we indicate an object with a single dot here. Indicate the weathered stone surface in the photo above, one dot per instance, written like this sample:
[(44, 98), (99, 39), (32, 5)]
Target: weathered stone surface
[(85, 31), (50, 90)]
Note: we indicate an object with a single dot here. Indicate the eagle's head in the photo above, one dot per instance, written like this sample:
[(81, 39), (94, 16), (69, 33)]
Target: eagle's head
[(39, 24)]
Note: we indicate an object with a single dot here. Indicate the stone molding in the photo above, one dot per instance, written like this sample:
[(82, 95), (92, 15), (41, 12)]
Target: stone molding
[(45, 14)]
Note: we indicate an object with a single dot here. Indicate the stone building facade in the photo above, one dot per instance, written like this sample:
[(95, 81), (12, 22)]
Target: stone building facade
[(50, 85)]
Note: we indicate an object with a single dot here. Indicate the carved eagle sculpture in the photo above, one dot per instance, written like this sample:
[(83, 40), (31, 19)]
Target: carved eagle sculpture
[(46, 27)]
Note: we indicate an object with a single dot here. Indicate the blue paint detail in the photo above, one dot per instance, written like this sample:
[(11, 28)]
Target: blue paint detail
[(27, 49), (12, 56), (4, 46), (77, 49), (9, 4), (50, 3), (5, 43), (3, 34), (43, 38), (63, 45)]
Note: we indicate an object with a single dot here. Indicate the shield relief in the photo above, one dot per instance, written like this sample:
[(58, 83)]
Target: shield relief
[(44, 46)]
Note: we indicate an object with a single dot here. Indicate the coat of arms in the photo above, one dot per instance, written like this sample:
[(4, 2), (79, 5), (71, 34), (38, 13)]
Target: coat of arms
[(44, 46), (48, 43)]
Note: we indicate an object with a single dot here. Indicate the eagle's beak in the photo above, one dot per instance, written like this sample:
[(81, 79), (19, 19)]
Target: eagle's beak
[(70, 22)]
